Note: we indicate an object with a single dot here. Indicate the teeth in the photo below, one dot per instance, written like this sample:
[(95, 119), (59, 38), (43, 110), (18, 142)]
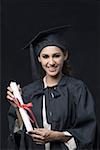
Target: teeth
[(53, 67)]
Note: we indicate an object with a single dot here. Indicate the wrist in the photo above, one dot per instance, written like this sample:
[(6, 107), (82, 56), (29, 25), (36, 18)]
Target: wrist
[(60, 136)]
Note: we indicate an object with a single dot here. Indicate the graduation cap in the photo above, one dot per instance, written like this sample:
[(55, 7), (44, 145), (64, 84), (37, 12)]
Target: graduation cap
[(50, 37)]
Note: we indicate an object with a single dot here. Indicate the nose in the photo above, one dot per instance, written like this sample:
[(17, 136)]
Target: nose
[(51, 61)]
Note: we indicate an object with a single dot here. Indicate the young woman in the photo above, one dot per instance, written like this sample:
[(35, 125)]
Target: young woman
[(62, 105)]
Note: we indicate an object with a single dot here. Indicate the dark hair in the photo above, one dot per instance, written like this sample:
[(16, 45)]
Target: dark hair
[(67, 69)]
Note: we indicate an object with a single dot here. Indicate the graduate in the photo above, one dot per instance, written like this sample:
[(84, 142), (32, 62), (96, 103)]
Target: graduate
[(62, 105)]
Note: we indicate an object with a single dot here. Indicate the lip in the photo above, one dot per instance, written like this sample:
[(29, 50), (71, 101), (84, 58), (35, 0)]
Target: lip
[(52, 69)]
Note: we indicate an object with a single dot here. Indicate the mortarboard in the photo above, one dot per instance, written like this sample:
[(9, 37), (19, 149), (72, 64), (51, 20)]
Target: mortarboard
[(51, 37)]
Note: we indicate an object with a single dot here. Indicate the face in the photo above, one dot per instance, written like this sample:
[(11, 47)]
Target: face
[(52, 59)]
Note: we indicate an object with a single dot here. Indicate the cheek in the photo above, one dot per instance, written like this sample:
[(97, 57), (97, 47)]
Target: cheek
[(43, 62), (60, 61)]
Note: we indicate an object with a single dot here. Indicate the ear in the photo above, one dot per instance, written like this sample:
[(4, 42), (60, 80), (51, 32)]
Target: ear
[(39, 59), (65, 55)]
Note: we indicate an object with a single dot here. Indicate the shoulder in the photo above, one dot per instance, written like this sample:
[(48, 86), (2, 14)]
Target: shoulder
[(79, 90), (73, 82), (32, 86), (76, 87), (30, 89)]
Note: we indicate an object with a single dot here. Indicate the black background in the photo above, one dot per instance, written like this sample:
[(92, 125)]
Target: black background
[(21, 19)]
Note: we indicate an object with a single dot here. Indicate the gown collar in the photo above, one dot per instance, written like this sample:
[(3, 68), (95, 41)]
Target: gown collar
[(62, 81), (41, 86)]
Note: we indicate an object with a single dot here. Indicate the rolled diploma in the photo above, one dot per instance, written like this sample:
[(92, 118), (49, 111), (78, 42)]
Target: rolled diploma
[(22, 111)]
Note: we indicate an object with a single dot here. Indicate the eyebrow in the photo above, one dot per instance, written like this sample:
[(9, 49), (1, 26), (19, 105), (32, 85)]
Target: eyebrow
[(52, 54)]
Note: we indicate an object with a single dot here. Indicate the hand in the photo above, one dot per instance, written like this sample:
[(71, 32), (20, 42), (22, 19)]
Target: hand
[(43, 135), (11, 97)]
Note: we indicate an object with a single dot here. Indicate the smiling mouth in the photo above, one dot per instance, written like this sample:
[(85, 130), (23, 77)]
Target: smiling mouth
[(52, 69)]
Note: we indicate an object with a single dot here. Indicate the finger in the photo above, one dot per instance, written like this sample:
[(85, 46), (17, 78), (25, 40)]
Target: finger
[(19, 86), (10, 98), (34, 132), (9, 88), (39, 137), (38, 141), (31, 132), (12, 103), (40, 131), (10, 94)]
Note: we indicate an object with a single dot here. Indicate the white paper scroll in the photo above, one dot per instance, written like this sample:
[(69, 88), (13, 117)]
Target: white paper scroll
[(23, 112)]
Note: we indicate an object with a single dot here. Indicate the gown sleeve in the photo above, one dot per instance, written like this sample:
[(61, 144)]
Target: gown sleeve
[(18, 140), (16, 137), (11, 144), (84, 127)]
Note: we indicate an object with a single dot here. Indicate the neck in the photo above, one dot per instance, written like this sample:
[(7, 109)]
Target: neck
[(52, 81)]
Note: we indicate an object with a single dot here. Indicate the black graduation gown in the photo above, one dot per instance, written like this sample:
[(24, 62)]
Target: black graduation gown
[(70, 109)]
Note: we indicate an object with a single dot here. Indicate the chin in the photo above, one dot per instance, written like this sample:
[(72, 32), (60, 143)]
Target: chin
[(53, 74)]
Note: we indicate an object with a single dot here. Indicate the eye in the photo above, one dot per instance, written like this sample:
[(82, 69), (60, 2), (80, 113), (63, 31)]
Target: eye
[(45, 56), (57, 55)]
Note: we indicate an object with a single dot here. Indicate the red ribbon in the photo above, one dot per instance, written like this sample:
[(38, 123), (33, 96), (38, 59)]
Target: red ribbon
[(27, 107)]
